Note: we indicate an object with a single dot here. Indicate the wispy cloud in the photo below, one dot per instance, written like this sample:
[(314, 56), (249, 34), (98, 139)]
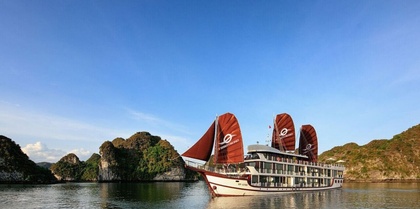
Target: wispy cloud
[(66, 134), (408, 76), (145, 117), (180, 143), (156, 121), (175, 133), (15, 120)]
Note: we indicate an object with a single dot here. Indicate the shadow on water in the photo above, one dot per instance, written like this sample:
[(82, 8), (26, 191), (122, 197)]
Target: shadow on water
[(352, 195)]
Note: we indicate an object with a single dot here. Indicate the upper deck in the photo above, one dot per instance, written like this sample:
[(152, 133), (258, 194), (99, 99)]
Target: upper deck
[(269, 154), (266, 149)]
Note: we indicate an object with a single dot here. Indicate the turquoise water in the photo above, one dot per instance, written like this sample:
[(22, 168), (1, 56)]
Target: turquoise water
[(195, 195)]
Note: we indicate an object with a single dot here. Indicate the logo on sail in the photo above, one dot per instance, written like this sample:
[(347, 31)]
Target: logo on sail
[(285, 133), (308, 149), (227, 141)]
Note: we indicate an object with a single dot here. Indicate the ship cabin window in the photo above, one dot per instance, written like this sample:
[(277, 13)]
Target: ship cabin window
[(255, 156), (254, 179), (253, 164), (269, 156), (252, 156), (299, 169), (263, 179), (268, 167)]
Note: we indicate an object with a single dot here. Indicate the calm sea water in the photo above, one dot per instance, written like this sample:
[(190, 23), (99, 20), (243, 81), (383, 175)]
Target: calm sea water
[(195, 195)]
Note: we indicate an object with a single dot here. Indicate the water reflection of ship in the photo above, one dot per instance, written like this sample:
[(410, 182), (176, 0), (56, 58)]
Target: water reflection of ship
[(316, 199)]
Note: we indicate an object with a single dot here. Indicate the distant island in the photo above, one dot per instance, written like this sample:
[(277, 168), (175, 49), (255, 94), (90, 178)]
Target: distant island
[(393, 160), (144, 157), (15, 166)]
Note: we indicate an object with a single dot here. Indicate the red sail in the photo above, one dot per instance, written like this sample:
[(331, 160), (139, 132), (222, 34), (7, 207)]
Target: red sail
[(202, 148), (308, 143), (283, 137), (229, 147)]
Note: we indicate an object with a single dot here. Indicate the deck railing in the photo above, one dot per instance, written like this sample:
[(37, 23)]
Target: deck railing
[(235, 171), (225, 171)]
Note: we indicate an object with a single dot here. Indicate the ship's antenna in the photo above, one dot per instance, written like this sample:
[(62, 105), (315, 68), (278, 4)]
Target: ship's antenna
[(268, 140)]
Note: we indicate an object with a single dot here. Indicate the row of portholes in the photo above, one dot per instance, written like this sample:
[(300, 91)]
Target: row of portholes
[(338, 181)]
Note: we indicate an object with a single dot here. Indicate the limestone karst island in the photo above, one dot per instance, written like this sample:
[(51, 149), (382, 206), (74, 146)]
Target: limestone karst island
[(145, 157)]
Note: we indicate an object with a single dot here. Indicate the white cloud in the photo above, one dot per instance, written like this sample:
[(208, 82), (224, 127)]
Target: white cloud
[(81, 153), (39, 152)]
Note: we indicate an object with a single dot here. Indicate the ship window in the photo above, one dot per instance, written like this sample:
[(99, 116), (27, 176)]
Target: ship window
[(251, 164), (255, 156), (263, 179), (254, 179)]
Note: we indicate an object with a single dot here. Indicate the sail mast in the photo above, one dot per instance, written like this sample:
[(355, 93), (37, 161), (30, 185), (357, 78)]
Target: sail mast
[(278, 139), (216, 151)]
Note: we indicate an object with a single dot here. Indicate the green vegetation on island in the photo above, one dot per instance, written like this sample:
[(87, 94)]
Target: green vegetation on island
[(70, 168), (144, 157), (16, 167), (397, 159)]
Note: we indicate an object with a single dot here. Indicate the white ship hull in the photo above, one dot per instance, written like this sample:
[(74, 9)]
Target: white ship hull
[(268, 171), (221, 185)]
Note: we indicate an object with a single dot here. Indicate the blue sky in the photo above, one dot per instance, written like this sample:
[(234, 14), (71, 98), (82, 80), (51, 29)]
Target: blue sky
[(77, 73)]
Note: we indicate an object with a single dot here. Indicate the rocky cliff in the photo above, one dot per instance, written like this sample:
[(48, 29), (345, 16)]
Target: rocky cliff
[(108, 166), (396, 159), (67, 168), (142, 157), (15, 166), (174, 174), (70, 168)]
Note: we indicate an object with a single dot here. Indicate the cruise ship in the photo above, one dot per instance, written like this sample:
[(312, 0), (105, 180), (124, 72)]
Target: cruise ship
[(264, 170)]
